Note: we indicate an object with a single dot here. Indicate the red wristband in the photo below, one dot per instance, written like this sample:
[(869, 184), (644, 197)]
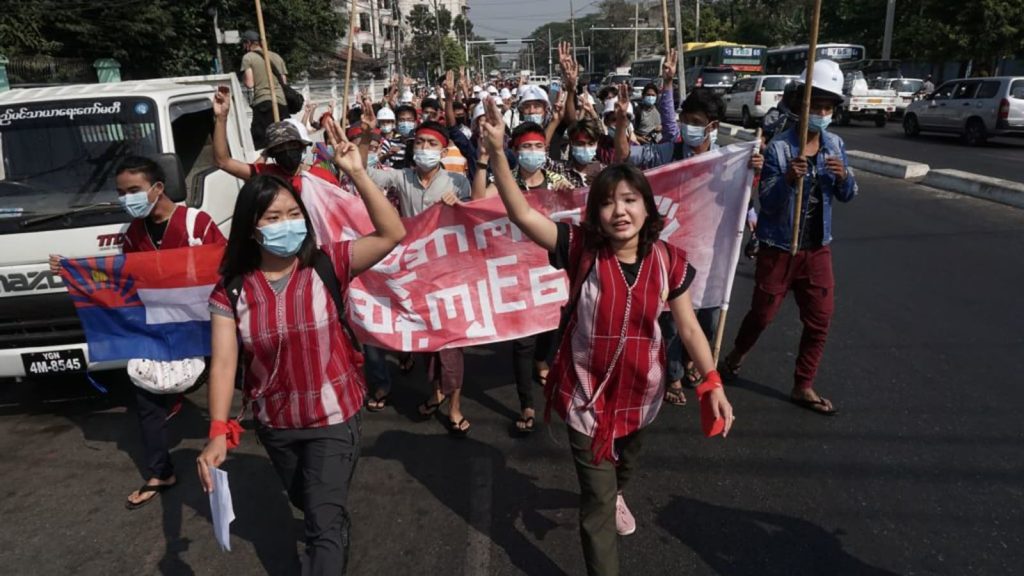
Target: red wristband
[(711, 381), (231, 429)]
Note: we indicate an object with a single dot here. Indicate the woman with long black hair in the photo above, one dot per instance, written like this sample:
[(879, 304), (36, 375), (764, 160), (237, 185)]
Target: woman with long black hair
[(278, 305)]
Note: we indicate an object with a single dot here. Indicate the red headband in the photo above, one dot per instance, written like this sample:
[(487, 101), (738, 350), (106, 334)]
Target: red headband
[(581, 136), (529, 137), (431, 132)]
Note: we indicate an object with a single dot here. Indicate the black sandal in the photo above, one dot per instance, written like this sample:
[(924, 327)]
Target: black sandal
[(675, 395), (145, 489), (821, 406), (456, 429), (406, 363), (377, 404), (527, 426), (428, 409)]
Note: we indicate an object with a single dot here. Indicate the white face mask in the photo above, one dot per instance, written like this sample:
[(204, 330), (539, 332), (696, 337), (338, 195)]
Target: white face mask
[(694, 136)]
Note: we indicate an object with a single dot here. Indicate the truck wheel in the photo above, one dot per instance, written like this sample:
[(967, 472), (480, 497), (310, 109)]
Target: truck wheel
[(880, 120), (842, 117), (910, 126), (747, 123), (974, 132)]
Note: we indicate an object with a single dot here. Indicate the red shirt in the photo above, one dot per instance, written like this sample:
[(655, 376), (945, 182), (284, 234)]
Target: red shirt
[(177, 235), (300, 368), (295, 179)]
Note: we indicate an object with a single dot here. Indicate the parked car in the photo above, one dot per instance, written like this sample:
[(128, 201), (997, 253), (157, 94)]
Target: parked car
[(749, 99), (539, 80), (614, 79), (974, 108), (907, 90)]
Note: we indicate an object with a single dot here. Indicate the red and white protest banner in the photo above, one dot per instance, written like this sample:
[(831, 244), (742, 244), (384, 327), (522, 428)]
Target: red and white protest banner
[(464, 275)]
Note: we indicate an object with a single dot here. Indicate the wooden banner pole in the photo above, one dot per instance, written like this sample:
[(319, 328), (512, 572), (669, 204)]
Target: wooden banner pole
[(805, 113), (266, 61)]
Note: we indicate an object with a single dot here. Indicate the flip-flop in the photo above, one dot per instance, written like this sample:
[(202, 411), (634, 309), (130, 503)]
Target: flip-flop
[(675, 395), (456, 429), (428, 409), (527, 426), (146, 488), (819, 406), (377, 404), (407, 363)]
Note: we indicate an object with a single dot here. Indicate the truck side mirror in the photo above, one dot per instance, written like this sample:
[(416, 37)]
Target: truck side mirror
[(174, 185)]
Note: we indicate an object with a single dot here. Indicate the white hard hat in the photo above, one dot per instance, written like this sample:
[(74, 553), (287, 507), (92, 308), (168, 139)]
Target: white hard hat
[(406, 97), (385, 114), (515, 91), (478, 111), (476, 89), (827, 77), (498, 101), (505, 93), (492, 90), (609, 108), (533, 93)]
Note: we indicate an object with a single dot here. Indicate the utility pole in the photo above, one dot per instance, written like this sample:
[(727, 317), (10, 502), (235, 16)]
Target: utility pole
[(398, 47), (440, 41), (697, 24), (219, 68), (680, 71), (572, 22), (890, 15), (465, 31), (636, 32), (551, 71)]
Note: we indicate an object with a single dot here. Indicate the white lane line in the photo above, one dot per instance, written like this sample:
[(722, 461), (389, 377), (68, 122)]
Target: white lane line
[(478, 539)]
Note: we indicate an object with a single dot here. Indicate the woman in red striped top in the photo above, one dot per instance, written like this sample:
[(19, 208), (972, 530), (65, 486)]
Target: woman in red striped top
[(607, 380), (303, 378)]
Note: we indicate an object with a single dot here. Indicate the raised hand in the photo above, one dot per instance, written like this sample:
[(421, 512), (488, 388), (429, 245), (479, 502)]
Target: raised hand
[(570, 68), (668, 69), (449, 84), (492, 128), (622, 104), (368, 118), (347, 158), (222, 102)]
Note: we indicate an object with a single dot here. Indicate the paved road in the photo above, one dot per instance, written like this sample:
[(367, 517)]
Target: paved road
[(998, 158), (920, 474)]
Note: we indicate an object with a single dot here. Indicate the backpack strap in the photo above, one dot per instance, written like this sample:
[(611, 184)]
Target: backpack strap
[(324, 268)]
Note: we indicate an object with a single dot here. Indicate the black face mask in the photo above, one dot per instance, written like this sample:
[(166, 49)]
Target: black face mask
[(290, 159)]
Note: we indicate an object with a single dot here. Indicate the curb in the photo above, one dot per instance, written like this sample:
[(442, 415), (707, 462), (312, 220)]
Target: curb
[(984, 187), (892, 167)]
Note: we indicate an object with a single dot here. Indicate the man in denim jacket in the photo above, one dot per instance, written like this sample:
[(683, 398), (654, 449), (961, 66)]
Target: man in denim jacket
[(827, 178)]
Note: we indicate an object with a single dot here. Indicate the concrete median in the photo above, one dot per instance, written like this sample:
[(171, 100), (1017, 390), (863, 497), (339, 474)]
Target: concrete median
[(891, 167), (993, 189)]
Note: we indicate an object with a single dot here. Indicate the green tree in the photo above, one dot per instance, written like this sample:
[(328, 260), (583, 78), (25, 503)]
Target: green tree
[(422, 55)]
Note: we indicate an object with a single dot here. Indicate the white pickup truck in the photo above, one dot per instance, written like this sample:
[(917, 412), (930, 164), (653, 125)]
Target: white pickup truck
[(59, 147), (863, 103)]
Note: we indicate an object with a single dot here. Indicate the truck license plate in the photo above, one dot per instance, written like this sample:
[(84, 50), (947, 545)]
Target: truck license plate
[(54, 362), (874, 100)]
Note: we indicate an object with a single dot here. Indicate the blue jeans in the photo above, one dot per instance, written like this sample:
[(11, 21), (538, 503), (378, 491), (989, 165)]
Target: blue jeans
[(378, 376), (675, 354)]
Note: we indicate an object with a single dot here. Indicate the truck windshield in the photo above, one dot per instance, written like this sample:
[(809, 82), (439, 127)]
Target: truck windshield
[(56, 156)]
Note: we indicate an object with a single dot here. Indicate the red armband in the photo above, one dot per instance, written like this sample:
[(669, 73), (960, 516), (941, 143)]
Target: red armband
[(712, 380), (231, 429)]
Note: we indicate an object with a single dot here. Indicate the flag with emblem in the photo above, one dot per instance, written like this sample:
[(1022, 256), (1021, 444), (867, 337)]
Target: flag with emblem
[(145, 304)]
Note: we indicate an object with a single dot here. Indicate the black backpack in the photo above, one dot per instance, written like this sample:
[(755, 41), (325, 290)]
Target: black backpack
[(325, 270)]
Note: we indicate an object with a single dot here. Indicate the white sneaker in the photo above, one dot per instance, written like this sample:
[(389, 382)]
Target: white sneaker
[(625, 524)]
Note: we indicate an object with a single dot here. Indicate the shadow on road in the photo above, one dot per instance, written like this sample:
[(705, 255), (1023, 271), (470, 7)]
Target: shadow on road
[(742, 542), (452, 471)]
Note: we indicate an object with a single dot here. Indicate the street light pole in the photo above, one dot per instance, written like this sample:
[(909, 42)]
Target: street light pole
[(696, 35), (680, 72), (890, 15), (465, 31), (440, 41)]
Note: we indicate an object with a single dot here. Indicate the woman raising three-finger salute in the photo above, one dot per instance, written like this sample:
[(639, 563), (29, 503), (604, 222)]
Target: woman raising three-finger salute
[(607, 377), (302, 377)]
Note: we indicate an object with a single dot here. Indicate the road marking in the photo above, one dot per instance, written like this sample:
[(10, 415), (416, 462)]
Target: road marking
[(478, 540)]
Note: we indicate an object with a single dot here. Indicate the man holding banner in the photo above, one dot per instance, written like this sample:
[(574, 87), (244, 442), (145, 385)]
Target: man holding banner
[(807, 271)]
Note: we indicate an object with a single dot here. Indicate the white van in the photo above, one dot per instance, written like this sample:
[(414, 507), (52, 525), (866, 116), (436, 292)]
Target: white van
[(750, 98), (59, 148)]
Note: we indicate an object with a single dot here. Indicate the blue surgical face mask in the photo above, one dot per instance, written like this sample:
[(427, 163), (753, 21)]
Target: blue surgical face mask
[(694, 136), (137, 204), (532, 160), (818, 123), (406, 128), (283, 238), (372, 160), (650, 100), (387, 128), (584, 154), (537, 118), (426, 159)]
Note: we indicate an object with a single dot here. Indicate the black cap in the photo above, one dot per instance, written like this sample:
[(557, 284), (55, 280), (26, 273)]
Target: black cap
[(250, 36)]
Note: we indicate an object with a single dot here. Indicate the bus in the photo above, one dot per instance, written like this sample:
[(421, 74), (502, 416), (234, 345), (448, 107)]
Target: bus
[(793, 59), (745, 59)]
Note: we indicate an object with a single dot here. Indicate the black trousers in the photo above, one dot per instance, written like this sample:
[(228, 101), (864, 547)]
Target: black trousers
[(316, 467), (263, 116), (522, 368), (152, 410)]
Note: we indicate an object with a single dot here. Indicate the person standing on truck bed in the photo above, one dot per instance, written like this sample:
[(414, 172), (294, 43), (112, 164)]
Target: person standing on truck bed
[(157, 224), (285, 146), (255, 78)]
